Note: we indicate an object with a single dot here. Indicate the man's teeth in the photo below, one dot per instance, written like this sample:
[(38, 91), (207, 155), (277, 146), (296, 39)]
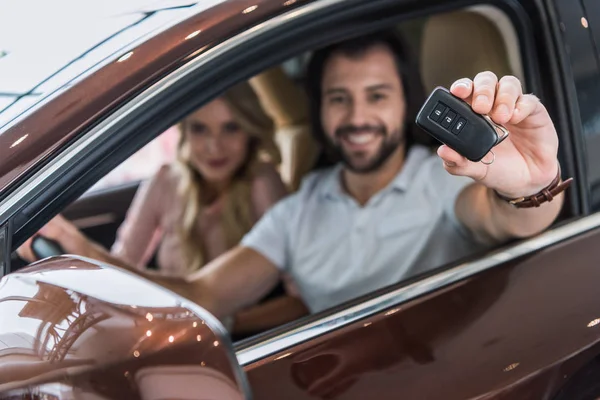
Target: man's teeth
[(360, 138)]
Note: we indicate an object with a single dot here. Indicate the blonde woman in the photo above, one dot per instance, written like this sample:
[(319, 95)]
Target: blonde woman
[(195, 209)]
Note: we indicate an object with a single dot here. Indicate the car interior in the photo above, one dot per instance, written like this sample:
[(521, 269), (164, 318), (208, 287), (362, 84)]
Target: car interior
[(449, 45)]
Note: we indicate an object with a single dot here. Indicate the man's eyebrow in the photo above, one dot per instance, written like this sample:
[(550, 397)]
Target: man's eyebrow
[(335, 90), (380, 86)]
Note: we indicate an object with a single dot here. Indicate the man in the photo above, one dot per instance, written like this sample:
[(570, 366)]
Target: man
[(389, 209)]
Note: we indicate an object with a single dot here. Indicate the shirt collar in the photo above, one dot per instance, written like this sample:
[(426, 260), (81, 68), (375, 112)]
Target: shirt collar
[(414, 159), (332, 185)]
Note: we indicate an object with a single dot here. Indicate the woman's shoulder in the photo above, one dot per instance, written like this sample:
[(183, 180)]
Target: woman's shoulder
[(266, 174), (167, 174), (266, 169), (163, 183), (267, 186)]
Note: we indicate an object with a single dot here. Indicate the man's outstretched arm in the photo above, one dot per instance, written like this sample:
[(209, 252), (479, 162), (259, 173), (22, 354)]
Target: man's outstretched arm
[(525, 163), (236, 279)]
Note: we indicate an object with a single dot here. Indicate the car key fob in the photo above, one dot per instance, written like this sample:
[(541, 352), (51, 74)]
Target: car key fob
[(453, 122)]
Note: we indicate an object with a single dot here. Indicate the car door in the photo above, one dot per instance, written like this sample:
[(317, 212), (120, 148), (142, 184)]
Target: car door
[(515, 323), (520, 323)]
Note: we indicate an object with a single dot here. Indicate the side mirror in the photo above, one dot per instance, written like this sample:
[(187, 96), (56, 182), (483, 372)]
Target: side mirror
[(74, 328)]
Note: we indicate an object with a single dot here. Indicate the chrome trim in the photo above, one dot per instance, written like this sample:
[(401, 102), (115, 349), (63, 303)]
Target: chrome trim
[(379, 304), (60, 162), (497, 127)]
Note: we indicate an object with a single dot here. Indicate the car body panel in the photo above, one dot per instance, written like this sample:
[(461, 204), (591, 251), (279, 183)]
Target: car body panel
[(83, 327), (35, 136), (506, 333)]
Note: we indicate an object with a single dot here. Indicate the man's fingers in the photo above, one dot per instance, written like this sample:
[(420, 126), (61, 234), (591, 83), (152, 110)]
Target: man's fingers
[(458, 165), (451, 158), (484, 90), (509, 91), (525, 106), (462, 88)]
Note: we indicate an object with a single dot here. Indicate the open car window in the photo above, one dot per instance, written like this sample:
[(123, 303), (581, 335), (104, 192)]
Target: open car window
[(143, 164)]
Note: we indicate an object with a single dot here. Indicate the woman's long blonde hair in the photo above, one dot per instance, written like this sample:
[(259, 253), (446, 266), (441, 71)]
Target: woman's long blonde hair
[(237, 215)]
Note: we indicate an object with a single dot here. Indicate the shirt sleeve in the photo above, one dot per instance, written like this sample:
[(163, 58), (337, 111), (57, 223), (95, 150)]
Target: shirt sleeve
[(447, 188), (136, 234), (270, 235)]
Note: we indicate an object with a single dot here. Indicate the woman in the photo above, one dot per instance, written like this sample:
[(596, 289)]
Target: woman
[(195, 209)]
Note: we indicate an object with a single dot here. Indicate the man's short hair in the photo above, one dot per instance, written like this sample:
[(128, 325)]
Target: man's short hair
[(356, 47)]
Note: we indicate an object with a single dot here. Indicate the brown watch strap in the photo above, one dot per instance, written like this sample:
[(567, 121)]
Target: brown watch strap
[(547, 194)]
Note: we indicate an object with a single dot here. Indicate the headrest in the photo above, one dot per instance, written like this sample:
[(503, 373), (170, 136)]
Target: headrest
[(460, 44)]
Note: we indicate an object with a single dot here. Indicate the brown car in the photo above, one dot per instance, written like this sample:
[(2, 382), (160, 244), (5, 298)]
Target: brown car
[(95, 87)]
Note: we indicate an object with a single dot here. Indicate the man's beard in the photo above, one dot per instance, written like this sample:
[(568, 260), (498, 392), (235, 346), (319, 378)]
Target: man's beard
[(390, 144)]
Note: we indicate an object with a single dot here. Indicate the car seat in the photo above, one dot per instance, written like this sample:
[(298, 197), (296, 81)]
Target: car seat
[(462, 43)]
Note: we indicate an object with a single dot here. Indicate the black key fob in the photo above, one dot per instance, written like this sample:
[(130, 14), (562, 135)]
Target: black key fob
[(453, 122)]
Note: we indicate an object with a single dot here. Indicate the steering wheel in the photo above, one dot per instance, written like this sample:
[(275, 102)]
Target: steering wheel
[(43, 247)]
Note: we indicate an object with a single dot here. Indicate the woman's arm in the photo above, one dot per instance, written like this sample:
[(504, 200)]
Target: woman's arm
[(135, 238), (134, 235), (72, 241)]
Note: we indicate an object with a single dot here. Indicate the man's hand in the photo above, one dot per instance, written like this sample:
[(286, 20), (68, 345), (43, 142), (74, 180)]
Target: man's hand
[(526, 162)]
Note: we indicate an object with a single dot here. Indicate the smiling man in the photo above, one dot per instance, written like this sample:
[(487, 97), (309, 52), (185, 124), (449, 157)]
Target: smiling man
[(389, 208)]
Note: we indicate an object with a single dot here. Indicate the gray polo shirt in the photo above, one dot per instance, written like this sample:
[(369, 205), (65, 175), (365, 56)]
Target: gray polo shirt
[(336, 250)]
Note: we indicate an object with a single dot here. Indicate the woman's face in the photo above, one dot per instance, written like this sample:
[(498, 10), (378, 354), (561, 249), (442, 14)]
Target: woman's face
[(218, 145)]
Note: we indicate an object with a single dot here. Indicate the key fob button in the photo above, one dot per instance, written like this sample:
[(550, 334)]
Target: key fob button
[(453, 122), (459, 126), (437, 112), (448, 119)]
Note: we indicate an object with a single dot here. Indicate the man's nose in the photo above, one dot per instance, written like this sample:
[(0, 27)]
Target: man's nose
[(358, 114)]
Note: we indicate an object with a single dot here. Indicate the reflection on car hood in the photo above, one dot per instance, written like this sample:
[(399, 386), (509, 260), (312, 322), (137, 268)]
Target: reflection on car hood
[(47, 46)]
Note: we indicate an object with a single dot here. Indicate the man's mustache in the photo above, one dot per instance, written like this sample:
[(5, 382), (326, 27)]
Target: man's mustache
[(350, 129)]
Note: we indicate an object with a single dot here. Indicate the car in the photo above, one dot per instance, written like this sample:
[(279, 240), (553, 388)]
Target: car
[(97, 86)]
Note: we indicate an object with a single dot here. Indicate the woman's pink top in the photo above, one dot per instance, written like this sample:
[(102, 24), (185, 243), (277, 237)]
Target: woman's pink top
[(155, 214)]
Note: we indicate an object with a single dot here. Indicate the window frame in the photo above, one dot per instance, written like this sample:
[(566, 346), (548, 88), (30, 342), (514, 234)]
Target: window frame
[(147, 174), (130, 127)]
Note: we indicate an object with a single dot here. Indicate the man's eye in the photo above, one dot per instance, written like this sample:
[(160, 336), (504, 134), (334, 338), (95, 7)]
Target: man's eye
[(337, 100), (376, 97)]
